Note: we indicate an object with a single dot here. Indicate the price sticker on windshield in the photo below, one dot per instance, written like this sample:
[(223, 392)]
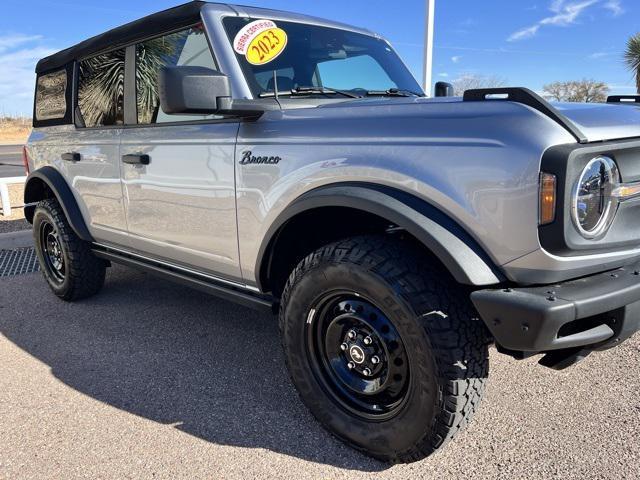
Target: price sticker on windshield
[(260, 42)]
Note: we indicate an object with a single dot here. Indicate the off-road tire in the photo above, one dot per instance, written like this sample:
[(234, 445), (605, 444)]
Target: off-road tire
[(84, 273), (447, 345)]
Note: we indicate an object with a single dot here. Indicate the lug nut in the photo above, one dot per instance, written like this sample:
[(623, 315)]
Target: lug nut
[(375, 360), (351, 365), (366, 372), (344, 347), (352, 334), (368, 341)]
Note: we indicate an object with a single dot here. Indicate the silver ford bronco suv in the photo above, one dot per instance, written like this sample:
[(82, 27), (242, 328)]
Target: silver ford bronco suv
[(294, 164)]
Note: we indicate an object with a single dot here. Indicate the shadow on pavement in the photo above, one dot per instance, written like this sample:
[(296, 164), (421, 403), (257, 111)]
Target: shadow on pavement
[(175, 356)]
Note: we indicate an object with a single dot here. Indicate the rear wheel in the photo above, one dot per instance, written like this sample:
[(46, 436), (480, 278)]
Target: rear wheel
[(69, 266), (383, 347)]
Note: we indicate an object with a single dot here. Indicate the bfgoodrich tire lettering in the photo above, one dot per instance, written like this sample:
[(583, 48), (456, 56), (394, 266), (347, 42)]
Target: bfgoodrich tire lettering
[(446, 346), (82, 273)]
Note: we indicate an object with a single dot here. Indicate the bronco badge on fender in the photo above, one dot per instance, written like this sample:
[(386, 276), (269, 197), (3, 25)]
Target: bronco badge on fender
[(248, 158)]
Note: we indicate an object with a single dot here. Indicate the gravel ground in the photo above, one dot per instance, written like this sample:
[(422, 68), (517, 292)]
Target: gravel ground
[(152, 380), (16, 221)]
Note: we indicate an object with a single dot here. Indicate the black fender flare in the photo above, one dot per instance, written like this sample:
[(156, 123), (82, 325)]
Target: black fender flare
[(54, 180), (465, 259)]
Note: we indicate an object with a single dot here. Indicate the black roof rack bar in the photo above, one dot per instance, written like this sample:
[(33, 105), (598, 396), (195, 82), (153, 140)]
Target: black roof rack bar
[(624, 99), (529, 98)]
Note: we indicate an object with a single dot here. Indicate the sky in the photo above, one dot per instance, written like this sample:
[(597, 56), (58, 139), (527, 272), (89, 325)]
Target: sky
[(524, 43)]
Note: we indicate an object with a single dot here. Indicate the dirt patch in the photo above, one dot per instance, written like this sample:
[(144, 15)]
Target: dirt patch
[(16, 221), (15, 131)]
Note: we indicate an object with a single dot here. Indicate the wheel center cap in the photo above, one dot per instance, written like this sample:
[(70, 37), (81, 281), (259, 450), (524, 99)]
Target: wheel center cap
[(357, 354)]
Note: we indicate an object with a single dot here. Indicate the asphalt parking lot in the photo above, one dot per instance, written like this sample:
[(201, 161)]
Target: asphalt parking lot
[(152, 380), (11, 161)]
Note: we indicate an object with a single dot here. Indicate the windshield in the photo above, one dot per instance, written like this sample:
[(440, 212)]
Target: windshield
[(311, 60)]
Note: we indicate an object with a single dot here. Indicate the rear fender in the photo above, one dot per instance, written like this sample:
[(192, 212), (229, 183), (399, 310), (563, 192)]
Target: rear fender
[(37, 188)]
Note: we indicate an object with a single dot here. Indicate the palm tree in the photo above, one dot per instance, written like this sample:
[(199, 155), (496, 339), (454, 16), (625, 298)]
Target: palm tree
[(151, 56), (632, 57), (102, 79), (101, 89)]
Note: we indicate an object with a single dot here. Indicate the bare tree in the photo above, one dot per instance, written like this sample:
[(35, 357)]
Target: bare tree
[(558, 91), (472, 82), (590, 91)]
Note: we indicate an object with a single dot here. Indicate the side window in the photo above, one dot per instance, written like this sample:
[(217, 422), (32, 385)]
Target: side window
[(362, 70), (101, 89), (51, 96), (185, 48)]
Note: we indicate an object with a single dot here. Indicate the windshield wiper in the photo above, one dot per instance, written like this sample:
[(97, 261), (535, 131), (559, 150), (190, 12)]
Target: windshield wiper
[(326, 91), (304, 91), (393, 92)]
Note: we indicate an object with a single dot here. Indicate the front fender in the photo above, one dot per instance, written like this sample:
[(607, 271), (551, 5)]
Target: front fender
[(459, 252)]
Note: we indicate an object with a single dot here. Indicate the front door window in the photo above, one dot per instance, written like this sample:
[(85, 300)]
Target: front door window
[(184, 48)]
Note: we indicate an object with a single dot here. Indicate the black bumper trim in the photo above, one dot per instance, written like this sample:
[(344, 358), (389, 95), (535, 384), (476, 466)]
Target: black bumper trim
[(602, 311)]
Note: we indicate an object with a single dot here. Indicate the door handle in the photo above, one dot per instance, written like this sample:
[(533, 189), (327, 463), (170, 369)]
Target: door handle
[(71, 157), (137, 159)]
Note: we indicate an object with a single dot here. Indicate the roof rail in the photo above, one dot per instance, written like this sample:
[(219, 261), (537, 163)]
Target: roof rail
[(529, 98), (631, 99)]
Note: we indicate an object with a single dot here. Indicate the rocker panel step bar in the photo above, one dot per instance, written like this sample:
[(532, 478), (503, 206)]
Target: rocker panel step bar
[(194, 280)]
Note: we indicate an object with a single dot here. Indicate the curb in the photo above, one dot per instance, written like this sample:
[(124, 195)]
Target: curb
[(13, 240)]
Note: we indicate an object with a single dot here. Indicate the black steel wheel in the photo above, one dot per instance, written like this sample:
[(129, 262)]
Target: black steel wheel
[(52, 254), (384, 348), (68, 265), (358, 355)]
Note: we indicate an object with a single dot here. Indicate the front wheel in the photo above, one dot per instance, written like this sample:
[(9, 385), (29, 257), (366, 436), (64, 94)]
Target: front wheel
[(383, 347)]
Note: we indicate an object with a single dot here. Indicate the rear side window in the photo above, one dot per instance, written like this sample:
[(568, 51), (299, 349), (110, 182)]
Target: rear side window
[(51, 96), (101, 89), (52, 100), (184, 48)]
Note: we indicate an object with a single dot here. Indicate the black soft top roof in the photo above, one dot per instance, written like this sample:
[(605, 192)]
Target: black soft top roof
[(177, 17)]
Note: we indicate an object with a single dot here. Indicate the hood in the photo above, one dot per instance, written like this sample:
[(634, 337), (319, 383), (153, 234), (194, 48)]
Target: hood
[(597, 121), (603, 121)]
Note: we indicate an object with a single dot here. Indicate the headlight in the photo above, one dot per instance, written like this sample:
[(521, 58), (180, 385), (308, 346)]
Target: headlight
[(594, 207)]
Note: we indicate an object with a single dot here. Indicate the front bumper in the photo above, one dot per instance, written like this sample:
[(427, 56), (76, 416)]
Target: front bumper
[(592, 313)]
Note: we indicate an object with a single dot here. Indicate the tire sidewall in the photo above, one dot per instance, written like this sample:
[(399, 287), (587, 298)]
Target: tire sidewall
[(40, 216), (417, 415)]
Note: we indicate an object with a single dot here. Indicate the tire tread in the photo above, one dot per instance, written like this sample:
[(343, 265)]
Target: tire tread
[(86, 272), (454, 335)]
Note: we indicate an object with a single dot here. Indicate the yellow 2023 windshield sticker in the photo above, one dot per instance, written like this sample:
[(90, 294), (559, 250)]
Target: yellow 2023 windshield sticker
[(260, 42)]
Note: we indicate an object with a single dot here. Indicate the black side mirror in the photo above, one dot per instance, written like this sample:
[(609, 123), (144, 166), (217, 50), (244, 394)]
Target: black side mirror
[(199, 91), (444, 89)]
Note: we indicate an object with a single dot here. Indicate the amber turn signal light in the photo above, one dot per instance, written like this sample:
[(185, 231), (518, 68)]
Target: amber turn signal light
[(547, 209)]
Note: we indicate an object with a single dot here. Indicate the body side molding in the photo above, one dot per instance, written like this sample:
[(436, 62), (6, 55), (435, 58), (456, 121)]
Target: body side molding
[(459, 252), (54, 180)]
